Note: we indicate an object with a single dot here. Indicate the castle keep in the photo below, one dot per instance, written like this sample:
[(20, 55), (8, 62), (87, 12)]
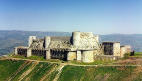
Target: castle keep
[(81, 46)]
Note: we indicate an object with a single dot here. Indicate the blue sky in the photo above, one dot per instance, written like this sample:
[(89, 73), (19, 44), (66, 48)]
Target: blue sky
[(98, 16)]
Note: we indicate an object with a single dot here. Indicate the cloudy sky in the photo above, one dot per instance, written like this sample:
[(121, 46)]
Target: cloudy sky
[(98, 16)]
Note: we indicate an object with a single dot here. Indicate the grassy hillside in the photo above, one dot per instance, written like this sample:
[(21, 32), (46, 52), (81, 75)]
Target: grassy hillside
[(107, 73), (8, 68), (27, 70), (12, 70)]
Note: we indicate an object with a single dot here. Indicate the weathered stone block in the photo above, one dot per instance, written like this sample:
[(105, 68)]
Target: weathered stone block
[(116, 49), (29, 52), (79, 55), (15, 51), (48, 55), (125, 49), (71, 56), (87, 56)]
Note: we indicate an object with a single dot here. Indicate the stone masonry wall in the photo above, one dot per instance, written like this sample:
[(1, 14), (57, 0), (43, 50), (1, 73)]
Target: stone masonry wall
[(111, 48), (125, 49), (87, 56), (71, 56), (116, 49), (85, 40)]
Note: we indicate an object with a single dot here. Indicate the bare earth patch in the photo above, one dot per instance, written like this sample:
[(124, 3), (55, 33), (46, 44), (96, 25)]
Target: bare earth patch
[(130, 61), (134, 74)]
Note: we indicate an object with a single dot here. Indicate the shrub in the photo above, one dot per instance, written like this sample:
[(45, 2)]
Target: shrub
[(126, 56)]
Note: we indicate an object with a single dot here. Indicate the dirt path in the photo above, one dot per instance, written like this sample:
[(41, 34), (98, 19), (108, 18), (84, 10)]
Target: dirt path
[(48, 73), (19, 69), (59, 72), (28, 71), (130, 61), (119, 63), (27, 60)]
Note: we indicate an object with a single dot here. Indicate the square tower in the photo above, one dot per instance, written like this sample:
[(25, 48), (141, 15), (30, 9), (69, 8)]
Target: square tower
[(111, 48)]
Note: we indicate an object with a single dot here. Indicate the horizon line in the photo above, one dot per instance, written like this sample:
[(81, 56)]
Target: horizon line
[(68, 32)]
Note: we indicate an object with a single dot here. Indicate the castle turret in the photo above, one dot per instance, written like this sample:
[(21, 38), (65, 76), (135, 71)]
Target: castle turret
[(76, 38), (31, 38), (47, 41)]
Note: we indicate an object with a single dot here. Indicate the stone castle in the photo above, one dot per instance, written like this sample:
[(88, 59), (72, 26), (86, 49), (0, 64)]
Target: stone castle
[(81, 46)]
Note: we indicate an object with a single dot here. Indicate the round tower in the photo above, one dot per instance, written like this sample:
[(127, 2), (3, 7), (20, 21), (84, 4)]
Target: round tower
[(76, 38), (47, 41), (31, 38)]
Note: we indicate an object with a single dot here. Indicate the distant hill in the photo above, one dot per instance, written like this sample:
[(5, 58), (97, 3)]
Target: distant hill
[(10, 39)]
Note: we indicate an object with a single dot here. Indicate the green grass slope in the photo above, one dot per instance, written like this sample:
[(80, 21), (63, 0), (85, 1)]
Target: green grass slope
[(12, 70), (8, 68), (40, 72), (107, 73), (27, 71)]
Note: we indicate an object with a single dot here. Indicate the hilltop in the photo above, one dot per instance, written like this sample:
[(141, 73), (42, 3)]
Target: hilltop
[(10, 39)]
